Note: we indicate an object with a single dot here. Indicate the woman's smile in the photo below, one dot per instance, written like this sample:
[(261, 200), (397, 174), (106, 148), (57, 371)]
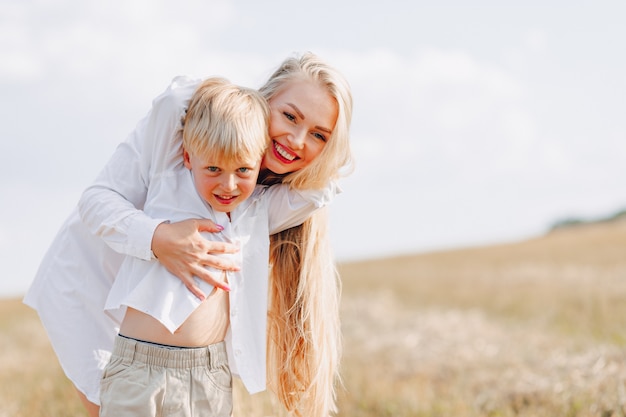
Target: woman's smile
[(286, 155)]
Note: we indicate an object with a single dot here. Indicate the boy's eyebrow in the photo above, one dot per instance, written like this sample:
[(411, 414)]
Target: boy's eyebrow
[(297, 110)]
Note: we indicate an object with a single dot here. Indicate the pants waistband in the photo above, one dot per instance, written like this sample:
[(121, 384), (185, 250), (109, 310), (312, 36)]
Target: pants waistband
[(132, 350)]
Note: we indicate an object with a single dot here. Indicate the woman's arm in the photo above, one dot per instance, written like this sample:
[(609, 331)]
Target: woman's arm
[(289, 207), (112, 206)]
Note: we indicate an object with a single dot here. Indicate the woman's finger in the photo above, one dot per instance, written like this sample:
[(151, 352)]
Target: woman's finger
[(219, 262), (209, 278), (195, 290), (218, 247), (206, 225)]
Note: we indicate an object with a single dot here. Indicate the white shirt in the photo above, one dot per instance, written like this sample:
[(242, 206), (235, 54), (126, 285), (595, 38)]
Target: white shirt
[(73, 281), (156, 142)]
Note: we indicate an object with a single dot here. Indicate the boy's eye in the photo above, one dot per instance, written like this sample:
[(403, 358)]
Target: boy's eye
[(212, 169), (246, 171)]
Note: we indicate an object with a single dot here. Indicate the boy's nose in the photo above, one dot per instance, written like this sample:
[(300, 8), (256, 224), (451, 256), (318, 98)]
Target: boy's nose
[(229, 183)]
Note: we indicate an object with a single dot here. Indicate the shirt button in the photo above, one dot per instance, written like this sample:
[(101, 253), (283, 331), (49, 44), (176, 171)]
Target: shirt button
[(237, 352)]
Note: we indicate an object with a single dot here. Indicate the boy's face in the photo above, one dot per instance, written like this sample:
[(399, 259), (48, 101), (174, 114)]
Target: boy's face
[(223, 184)]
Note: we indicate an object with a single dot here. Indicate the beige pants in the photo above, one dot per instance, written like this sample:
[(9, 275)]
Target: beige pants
[(144, 379)]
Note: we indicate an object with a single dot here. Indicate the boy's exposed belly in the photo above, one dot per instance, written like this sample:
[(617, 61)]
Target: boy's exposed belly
[(206, 325)]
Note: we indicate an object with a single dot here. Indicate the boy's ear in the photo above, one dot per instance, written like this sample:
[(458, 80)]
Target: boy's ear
[(186, 159)]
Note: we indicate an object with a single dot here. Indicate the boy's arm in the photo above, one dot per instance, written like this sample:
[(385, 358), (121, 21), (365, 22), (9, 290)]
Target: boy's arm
[(112, 206), (290, 207)]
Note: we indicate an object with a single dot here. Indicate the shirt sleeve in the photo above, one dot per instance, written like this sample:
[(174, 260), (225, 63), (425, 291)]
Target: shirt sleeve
[(289, 207), (111, 207)]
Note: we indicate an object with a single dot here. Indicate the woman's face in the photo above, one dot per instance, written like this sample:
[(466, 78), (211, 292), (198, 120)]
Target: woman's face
[(302, 118)]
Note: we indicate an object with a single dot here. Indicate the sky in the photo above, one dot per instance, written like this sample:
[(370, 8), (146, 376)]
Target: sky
[(473, 125)]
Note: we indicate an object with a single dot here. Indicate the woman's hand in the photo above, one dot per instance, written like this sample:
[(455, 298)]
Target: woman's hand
[(183, 251)]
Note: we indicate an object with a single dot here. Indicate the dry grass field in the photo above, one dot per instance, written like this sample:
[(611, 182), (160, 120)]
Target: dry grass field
[(535, 328)]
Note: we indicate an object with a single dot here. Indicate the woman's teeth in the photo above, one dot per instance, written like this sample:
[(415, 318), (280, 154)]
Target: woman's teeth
[(283, 152)]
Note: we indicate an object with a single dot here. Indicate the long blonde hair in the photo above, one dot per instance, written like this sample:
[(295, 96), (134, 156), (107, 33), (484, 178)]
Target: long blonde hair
[(304, 335)]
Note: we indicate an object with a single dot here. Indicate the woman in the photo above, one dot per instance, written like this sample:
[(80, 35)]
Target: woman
[(309, 147)]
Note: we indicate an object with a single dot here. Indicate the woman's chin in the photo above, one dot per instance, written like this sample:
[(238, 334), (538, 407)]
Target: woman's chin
[(275, 165)]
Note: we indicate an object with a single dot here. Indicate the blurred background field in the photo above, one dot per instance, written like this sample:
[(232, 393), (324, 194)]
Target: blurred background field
[(534, 328)]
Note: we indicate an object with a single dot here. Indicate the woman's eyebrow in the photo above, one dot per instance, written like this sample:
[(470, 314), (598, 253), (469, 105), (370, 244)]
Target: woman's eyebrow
[(297, 110)]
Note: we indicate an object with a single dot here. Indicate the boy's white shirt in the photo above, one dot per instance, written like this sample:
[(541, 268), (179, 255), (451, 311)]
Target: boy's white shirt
[(148, 287)]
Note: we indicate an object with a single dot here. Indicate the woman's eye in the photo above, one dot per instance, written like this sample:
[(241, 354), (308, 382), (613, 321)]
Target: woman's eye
[(289, 116), (320, 137)]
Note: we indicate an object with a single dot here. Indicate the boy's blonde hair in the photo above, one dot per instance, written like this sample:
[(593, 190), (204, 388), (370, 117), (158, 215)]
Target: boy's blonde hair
[(304, 335), (226, 121)]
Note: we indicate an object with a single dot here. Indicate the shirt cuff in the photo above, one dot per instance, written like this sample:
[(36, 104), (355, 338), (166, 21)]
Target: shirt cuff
[(323, 197), (140, 236)]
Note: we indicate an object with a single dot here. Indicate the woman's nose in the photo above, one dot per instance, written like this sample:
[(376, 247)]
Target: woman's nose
[(296, 139)]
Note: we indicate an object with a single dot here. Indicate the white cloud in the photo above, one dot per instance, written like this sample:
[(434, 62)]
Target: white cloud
[(435, 104), (94, 39), (536, 40), (20, 59)]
